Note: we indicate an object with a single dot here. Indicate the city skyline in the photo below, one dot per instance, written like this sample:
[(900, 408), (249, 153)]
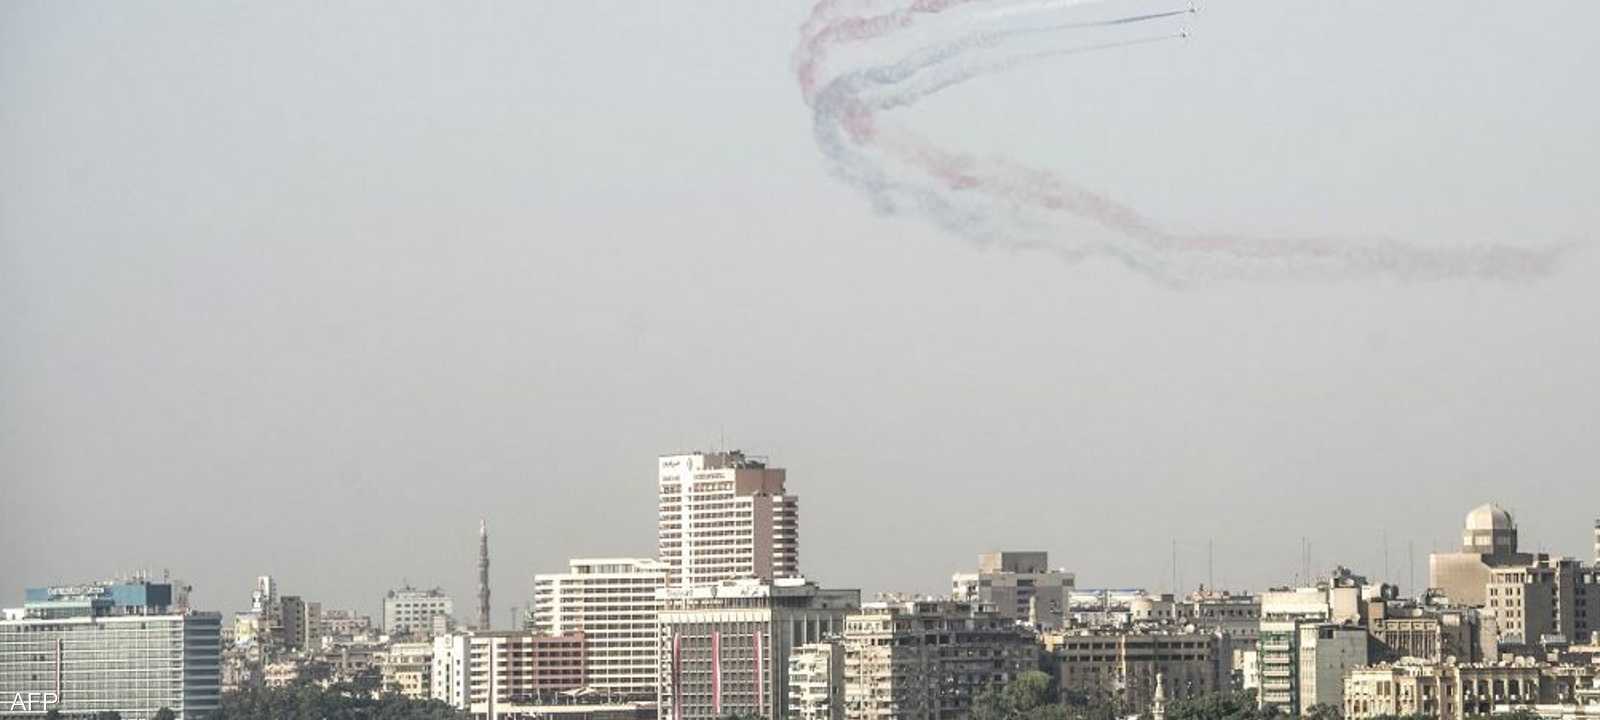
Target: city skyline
[(1198, 559), (302, 289)]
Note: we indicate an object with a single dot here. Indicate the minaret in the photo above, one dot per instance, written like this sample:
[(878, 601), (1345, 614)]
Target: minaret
[(1158, 706), (483, 574)]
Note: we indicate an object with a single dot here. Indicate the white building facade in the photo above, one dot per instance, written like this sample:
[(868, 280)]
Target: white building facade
[(725, 515), (612, 601)]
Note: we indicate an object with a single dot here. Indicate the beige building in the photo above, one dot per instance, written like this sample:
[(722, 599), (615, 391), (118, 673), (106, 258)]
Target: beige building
[(410, 611), (1404, 629), (724, 648), (1530, 598), (406, 669), (723, 516), (1293, 625), (1326, 652), (816, 681), (478, 671), (928, 660), (1106, 664), (1489, 540), (612, 601), (1453, 692), (1549, 597), (1018, 586)]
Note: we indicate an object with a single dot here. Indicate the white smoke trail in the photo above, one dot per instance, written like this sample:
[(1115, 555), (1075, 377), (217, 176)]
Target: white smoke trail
[(1006, 205)]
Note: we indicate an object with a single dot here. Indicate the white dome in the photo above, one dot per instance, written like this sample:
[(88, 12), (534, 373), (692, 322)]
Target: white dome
[(1490, 517)]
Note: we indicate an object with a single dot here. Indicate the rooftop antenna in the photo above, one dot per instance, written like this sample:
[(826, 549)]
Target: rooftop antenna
[(1211, 564), (1411, 561), (1386, 576), (1175, 587)]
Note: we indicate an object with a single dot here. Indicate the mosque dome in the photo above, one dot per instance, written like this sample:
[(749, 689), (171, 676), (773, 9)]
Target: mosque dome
[(1490, 517)]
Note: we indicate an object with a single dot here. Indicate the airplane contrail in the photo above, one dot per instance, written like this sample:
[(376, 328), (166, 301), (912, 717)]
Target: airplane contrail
[(1003, 204)]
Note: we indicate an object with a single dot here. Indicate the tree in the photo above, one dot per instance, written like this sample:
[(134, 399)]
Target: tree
[(305, 701), (108, 715), (1323, 711), (165, 714), (1240, 705)]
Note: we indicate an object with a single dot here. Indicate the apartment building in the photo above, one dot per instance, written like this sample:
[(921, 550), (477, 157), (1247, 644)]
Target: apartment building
[(928, 660), (476, 671), (816, 681), (1104, 663)]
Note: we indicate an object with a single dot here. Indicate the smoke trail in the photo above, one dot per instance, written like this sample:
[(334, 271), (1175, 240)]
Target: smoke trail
[(1004, 204)]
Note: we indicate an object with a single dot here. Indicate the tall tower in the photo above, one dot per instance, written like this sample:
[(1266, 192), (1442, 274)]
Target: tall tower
[(483, 574)]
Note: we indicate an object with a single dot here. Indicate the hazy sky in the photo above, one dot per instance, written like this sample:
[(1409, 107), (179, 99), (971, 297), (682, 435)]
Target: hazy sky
[(306, 288)]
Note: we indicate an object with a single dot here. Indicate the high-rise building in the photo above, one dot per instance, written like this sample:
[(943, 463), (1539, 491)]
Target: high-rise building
[(1018, 586), (409, 611), (109, 647), (725, 515), (928, 660), (724, 648), (476, 671), (612, 601)]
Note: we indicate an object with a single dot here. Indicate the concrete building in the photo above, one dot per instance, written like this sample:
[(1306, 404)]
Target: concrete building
[(816, 681), (1432, 633), (1326, 652), (928, 660), (406, 669), (725, 515), (612, 601), (409, 611), (1489, 540), (109, 647), (1452, 692), (345, 624), (1105, 663), (478, 671), (1236, 616), (1019, 586), (724, 648), (1549, 598), (301, 623), (1332, 608)]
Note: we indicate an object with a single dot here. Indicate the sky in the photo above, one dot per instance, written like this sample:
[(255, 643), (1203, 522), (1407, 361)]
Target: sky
[(308, 288)]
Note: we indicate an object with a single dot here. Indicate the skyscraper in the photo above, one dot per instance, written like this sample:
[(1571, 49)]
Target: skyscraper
[(725, 515), (483, 574)]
